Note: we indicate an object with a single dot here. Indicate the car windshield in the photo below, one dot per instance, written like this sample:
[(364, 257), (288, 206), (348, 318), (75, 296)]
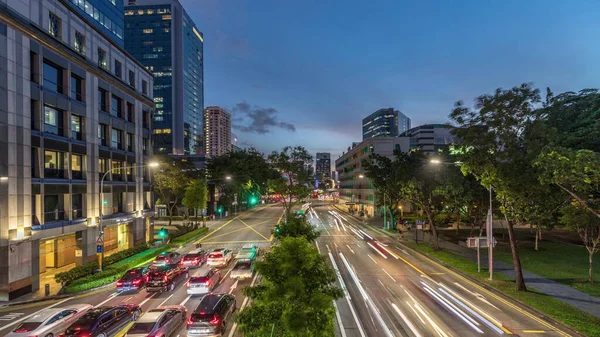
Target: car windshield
[(215, 255), (132, 274), (27, 326), (141, 328), (161, 257), (198, 279), (191, 256)]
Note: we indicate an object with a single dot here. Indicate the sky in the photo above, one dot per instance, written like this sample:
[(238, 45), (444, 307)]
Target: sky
[(305, 72)]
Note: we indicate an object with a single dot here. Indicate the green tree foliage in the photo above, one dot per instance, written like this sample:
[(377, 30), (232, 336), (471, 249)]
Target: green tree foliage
[(293, 177), (170, 180), (295, 297), (587, 226), (196, 196), (296, 226)]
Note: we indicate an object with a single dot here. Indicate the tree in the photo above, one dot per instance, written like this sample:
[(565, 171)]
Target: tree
[(170, 182), (296, 226), (295, 298), (492, 136), (196, 196), (291, 163), (588, 227)]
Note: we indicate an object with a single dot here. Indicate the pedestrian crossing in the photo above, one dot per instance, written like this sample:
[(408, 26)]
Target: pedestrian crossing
[(11, 316)]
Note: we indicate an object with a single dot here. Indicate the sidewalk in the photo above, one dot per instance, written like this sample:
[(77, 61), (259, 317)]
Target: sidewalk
[(561, 292)]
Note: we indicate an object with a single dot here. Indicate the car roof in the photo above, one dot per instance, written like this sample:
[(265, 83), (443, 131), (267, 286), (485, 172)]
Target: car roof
[(209, 302), (44, 314), (218, 250), (152, 316)]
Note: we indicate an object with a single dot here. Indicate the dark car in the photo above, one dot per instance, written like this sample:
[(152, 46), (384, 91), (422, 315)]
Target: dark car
[(167, 258), (164, 278), (211, 316), (194, 259), (133, 279), (103, 321)]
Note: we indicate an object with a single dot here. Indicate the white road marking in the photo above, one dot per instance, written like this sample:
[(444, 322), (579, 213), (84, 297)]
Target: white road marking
[(11, 316), (350, 249), (108, 299), (186, 300), (233, 286), (346, 295), (147, 299), (377, 250), (35, 313), (408, 322), (372, 259), (163, 302), (234, 327), (388, 274), (339, 319), (319, 249)]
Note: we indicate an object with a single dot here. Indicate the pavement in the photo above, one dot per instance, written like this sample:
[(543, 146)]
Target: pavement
[(253, 226), (392, 291)]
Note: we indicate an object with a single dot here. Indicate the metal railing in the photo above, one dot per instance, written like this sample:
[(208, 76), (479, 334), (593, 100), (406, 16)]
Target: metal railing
[(56, 215), (54, 173)]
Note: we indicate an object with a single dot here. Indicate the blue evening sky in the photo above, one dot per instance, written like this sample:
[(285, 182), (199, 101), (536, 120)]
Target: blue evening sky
[(320, 66)]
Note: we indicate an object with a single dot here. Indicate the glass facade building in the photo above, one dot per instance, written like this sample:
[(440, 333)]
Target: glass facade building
[(161, 35), (381, 123), (106, 15)]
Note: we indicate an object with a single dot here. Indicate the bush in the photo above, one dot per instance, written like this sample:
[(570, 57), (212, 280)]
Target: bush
[(175, 218), (116, 257)]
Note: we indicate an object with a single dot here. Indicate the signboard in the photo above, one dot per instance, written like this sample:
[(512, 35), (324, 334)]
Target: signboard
[(98, 249), (419, 226), (480, 241), (99, 240)]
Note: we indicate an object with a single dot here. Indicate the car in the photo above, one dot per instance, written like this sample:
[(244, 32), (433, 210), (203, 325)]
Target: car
[(194, 259), (163, 278), (133, 279), (104, 321), (243, 269), (167, 258), (219, 257), (247, 252), (50, 322), (203, 283), (211, 316), (160, 322)]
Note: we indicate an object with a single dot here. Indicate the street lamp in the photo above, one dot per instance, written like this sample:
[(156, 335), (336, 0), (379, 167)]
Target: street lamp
[(100, 227), (228, 178)]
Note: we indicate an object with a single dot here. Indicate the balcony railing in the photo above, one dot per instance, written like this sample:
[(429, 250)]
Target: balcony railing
[(78, 175), (130, 177), (56, 215), (117, 209), (54, 173)]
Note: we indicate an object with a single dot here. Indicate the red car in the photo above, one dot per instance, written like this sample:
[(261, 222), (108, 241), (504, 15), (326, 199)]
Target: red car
[(194, 259), (133, 279)]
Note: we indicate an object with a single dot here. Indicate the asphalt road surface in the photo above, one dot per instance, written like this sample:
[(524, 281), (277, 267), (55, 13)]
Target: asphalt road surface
[(390, 291), (253, 226)]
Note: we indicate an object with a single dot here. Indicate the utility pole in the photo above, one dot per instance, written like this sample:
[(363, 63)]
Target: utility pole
[(490, 238)]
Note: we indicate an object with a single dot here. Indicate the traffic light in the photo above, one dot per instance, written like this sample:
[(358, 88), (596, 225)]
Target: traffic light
[(101, 234), (277, 229), (162, 233), (220, 209), (253, 200), (105, 202)]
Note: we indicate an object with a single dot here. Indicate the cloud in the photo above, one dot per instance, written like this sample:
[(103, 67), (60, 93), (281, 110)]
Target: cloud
[(255, 119)]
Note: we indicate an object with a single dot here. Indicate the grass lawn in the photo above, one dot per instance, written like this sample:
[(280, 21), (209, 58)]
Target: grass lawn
[(569, 315)]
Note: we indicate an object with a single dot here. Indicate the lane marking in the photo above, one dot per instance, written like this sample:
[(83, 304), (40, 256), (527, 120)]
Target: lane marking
[(35, 313), (147, 299), (214, 231), (233, 242), (372, 259), (339, 319), (186, 300), (163, 302), (240, 229), (534, 331), (127, 299), (11, 316), (319, 249), (234, 327), (388, 274), (254, 230), (233, 286), (377, 250), (350, 249), (106, 300), (406, 320)]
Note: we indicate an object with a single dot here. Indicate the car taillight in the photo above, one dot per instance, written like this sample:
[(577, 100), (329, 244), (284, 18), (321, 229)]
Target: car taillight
[(136, 282), (214, 320), (21, 330), (187, 284), (165, 278), (168, 260), (207, 283), (119, 283), (154, 261), (190, 321)]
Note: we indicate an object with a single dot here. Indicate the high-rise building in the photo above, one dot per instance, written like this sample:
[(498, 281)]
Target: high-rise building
[(429, 138), (217, 131), (323, 165), (67, 119), (161, 35), (403, 123), (104, 15), (381, 123)]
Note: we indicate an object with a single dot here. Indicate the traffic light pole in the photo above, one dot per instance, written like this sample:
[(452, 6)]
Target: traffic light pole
[(100, 225)]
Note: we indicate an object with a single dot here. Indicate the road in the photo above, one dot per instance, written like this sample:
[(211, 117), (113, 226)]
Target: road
[(390, 291), (253, 226)]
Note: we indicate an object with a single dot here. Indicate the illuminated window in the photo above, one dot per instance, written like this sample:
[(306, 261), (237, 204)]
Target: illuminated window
[(79, 43), (148, 31), (150, 11), (162, 131), (158, 99), (166, 17), (148, 43), (166, 30), (128, 12), (140, 12), (150, 56)]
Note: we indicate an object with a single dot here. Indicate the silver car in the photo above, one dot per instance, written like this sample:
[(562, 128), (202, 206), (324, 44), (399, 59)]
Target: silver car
[(243, 269), (160, 322), (50, 322), (203, 283)]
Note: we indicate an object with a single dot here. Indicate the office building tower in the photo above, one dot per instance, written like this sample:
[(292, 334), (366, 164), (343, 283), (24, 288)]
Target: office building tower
[(217, 131), (323, 165), (403, 123), (161, 35), (381, 123), (68, 119), (429, 138), (104, 15)]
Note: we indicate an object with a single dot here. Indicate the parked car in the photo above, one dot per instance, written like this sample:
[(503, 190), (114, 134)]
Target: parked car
[(164, 278), (160, 322), (167, 258), (203, 283), (243, 269), (219, 257), (103, 321), (195, 258), (133, 279), (50, 322), (211, 316)]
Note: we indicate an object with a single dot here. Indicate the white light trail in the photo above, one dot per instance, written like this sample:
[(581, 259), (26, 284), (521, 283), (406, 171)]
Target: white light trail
[(407, 321)]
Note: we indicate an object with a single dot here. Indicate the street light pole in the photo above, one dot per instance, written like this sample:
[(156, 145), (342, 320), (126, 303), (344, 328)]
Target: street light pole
[(100, 225), (490, 238)]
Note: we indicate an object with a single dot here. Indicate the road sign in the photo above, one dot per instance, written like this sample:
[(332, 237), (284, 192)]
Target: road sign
[(99, 240), (98, 249)]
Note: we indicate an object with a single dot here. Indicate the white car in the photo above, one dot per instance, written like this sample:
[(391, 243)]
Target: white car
[(203, 283), (219, 257), (50, 322)]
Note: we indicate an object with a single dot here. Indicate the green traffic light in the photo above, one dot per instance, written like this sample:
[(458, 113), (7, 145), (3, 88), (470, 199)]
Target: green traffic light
[(162, 233), (253, 200), (105, 202), (220, 209)]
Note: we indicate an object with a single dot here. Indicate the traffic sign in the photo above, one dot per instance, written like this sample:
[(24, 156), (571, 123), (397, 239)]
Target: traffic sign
[(99, 240), (98, 249)]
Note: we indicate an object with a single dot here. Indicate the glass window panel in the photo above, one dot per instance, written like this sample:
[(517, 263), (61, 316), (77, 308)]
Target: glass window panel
[(77, 162)]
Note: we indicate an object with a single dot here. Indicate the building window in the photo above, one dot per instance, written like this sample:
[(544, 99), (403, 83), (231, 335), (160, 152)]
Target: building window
[(102, 59), (34, 67), (54, 25), (131, 112), (132, 78), (77, 167), (53, 79), (117, 174), (145, 145), (118, 69), (102, 130), (116, 108), (76, 127), (146, 119), (130, 142), (52, 120), (102, 100), (79, 43), (53, 208), (148, 31), (77, 206), (116, 139), (145, 87), (76, 88), (54, 164)]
